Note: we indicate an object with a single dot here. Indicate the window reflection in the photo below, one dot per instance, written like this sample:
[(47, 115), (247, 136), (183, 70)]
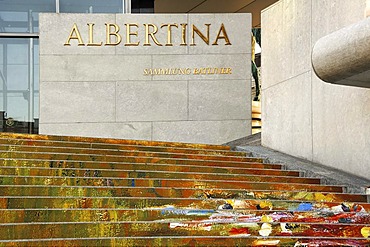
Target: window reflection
[(17, 87), (21, 16), (91, 6)]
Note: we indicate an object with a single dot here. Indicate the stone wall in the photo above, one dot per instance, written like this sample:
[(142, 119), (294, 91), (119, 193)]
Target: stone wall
[(302, 115), (111, 90)]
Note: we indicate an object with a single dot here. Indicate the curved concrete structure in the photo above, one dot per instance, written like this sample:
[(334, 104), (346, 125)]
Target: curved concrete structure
[(343, 57)]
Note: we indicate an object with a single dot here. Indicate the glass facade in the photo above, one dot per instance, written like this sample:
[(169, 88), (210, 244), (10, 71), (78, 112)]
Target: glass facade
[(19, 52)]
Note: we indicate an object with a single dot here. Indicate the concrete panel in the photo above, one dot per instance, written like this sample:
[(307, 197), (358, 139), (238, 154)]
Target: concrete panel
[(93, 68), (341, 116), (239, 64), (272, 56), (130, 130), (136, 84), (55, 30), (286, 116), (237, 28), (300, 46), (325, 20), (208, 100), (161, 35), (152, 101), (72, 102), (212, 132)]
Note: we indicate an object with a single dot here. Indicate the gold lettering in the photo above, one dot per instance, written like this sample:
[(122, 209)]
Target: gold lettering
[(224, 36), (129, 33), (151, 34), (74, 34), (200, 34), (228, 71), (109, 33), (183, 36), (169, 33), (91, 37)]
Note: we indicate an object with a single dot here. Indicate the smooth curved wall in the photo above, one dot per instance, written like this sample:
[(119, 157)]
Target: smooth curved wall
[(302, 115)]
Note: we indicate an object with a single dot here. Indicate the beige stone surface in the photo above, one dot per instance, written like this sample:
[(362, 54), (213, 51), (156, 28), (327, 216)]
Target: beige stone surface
[(152, 101), (238, 63), (234, 26), (201, 131), (71, 102), (161, 35), (286, 116), (208, 100), (301, 114), (108, 91), (341, 133), (344, 55), (130, 130), (93, 67), (55, 30)]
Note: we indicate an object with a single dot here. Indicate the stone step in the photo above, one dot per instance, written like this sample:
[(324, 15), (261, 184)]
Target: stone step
[(253, 170), (135, 159), (46, 230), (78, 139), (281, 183), (19, 202), (115, 147), (58, 191), (238, 240), (55, 179), (115, 153), (174, 192), (226, 168), (123, 173), (170, 213)]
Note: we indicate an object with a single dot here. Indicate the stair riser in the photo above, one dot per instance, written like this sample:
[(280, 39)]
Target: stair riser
[(85, 173), (73, 145), (163, 182), (31, 138), (101, 158), (175, 193), (149, 167), (140, 203), (197, 183), (137, 229), (48, 180), (31, 149), (70, 215), (195, 241)]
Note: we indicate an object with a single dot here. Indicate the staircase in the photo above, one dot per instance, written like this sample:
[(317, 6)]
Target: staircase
[(72, 191)]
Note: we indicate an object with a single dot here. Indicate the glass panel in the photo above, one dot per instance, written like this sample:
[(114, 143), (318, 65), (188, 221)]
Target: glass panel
[(142, 6), (19, 82), (22, 15), (91, 6)]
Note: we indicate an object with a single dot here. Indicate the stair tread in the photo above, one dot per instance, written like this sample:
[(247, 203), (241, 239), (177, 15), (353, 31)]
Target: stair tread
[(76, 191), (58, 180), (117, 158), (161, 202), (109, 140), (123, 153), (128, 191), (63, 162), (177, 174), (11, 144)]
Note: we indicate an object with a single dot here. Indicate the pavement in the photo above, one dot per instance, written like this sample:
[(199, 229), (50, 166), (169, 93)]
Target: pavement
[(328, 175)]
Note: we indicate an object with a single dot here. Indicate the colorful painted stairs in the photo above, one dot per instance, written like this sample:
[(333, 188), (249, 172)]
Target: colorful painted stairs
[(72, 191)]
